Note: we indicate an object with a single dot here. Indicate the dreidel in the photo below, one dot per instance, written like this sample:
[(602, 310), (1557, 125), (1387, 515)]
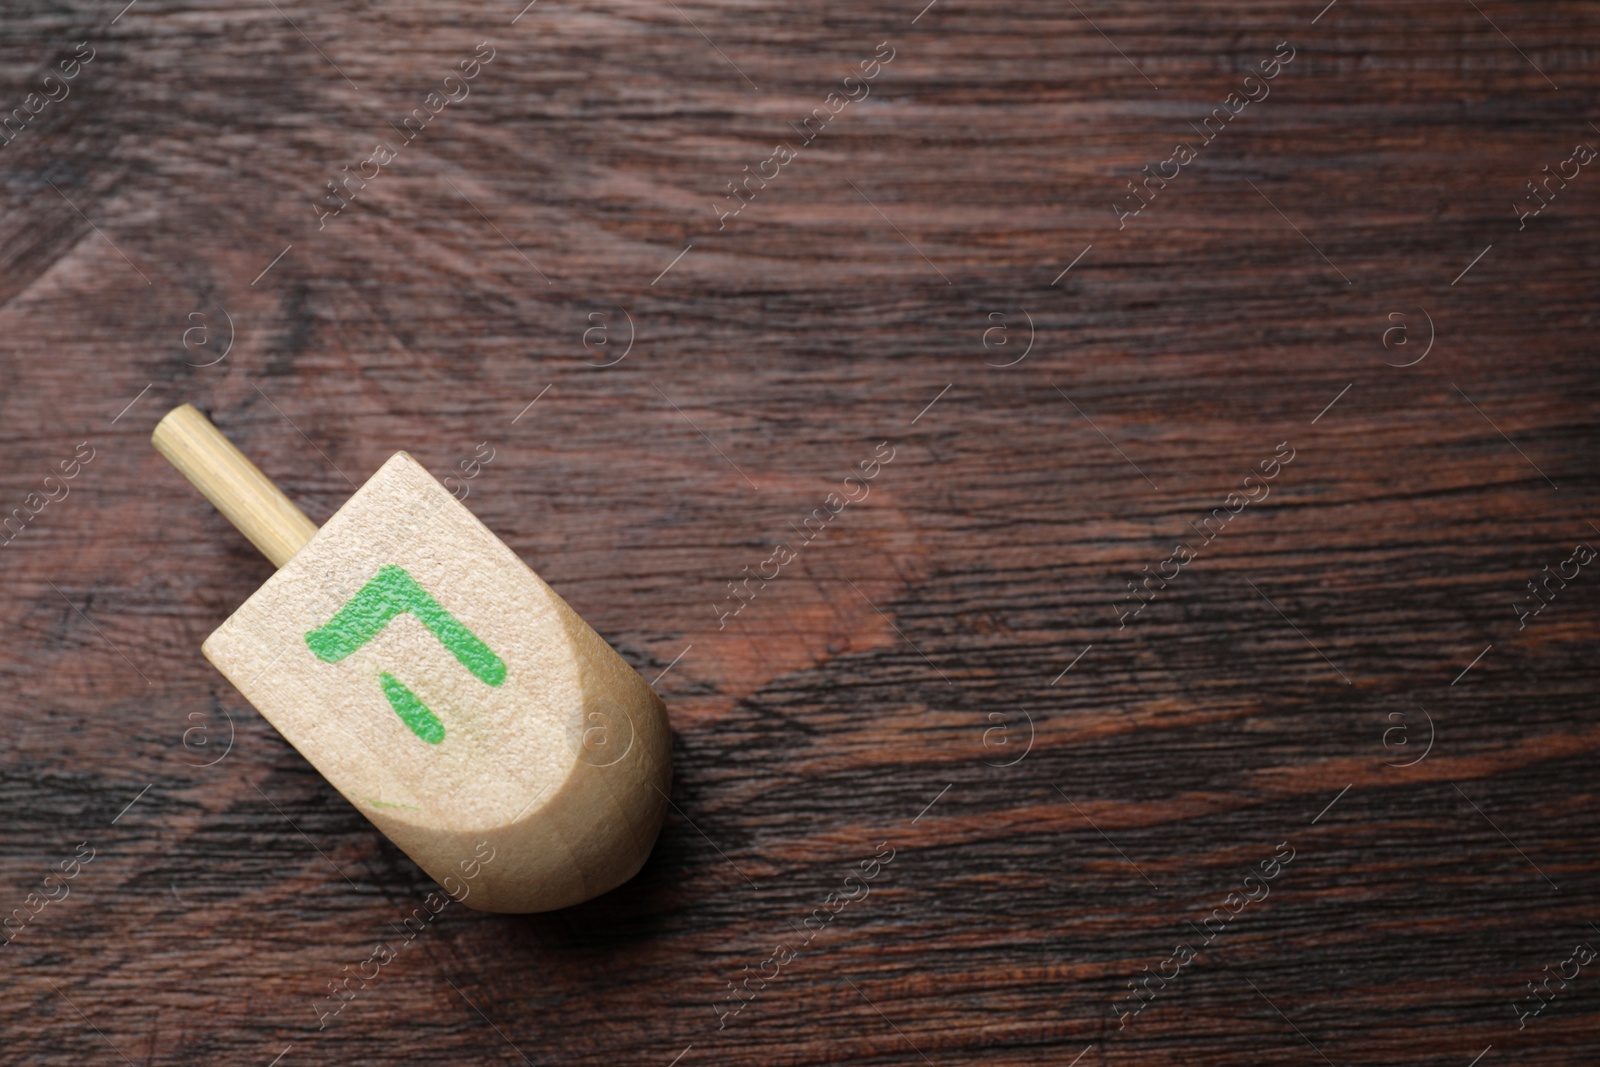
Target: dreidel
[(438, 683)]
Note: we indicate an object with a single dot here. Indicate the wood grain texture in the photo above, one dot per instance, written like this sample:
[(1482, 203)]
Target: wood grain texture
[(1277, 691)]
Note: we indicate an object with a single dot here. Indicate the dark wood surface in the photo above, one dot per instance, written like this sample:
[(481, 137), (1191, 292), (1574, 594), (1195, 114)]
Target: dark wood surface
[(1282, 690)]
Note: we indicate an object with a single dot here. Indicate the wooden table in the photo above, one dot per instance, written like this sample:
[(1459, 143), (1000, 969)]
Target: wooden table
[(1331, 748)]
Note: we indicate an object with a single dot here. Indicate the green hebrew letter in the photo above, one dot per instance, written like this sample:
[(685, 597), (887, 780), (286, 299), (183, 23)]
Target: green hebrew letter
[(393, 592)]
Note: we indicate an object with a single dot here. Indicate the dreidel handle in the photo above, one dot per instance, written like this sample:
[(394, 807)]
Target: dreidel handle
[(233, 484)]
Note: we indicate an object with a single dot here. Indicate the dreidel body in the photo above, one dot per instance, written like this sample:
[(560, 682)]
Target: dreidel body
[(438, 683)]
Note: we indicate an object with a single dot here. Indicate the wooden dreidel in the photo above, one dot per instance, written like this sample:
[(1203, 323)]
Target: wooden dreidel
[(438, 683)]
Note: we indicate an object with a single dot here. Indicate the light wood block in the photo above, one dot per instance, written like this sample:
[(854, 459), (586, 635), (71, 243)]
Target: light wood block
[(455, 699)]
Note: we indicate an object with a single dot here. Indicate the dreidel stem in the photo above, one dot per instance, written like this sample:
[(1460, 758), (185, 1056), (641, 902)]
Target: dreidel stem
[(233, 484)]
